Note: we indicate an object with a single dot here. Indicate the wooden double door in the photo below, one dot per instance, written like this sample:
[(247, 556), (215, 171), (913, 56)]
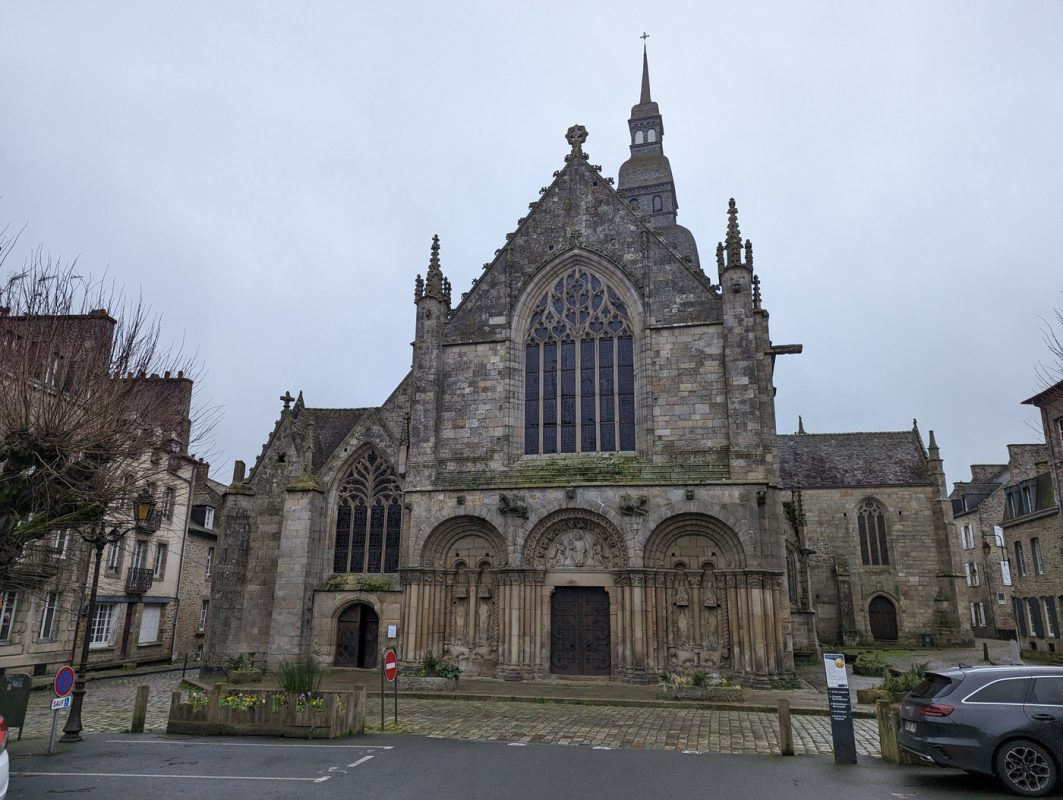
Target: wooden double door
[(356, 637), (579, 631)]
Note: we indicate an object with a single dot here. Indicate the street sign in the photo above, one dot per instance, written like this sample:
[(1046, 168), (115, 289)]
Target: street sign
[(61, 702), (64, 682), (391, 665)]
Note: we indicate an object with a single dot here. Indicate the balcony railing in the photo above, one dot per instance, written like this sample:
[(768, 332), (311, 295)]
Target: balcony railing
[(38, 562), (139, 580), (152, 524)]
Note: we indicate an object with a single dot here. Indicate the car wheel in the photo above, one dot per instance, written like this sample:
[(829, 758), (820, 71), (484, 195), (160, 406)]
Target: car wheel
[(1026, 768)]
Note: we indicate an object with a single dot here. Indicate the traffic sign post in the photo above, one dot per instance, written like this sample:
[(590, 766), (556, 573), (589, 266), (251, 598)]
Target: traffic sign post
[(63, 683), (389, 671)]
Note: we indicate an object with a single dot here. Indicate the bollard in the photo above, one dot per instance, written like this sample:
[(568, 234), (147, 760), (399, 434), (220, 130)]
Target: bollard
[(985, 652), (184, 667), (786, 732), (140, 710)]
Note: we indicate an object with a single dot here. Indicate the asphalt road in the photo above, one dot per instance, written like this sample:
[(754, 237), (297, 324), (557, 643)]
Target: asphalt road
[(396, 767)]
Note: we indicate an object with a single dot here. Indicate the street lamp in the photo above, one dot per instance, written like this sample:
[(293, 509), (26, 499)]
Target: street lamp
[(987, 548), (99, 537)]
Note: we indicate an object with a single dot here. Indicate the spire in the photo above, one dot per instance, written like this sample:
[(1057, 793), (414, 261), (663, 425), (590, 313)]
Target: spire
[(645, 98), (434, 284), (732, 244), (800, 424), (932, 447)]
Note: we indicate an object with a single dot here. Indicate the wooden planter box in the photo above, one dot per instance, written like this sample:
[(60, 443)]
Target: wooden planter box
[(343, 714), (718, 694), (237, 677)]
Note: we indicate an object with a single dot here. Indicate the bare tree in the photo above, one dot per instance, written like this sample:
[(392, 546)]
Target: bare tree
[(89, 399), (1051, 372)]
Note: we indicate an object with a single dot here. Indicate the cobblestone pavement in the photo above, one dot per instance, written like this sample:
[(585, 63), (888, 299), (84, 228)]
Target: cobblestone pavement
[(108, 704), (611, 726)]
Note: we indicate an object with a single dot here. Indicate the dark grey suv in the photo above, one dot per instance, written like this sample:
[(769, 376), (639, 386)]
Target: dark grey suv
[(1002, 721)]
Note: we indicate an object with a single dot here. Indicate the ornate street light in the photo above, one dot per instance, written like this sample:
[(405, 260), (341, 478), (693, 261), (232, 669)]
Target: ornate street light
[(99, 537), (987, 549)]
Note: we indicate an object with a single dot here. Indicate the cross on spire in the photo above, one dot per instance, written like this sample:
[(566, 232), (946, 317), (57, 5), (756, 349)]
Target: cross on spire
[(644, 37), (287, 399)]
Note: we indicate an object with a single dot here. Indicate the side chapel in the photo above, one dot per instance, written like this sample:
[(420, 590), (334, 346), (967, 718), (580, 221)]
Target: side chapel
[(581, 474)]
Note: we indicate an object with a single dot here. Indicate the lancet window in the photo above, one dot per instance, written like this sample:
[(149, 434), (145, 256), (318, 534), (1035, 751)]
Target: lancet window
[(579, 390), (871, 520), (369, 517)]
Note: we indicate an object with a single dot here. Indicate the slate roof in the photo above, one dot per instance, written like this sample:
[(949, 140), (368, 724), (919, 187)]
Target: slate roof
[(331, 426), (812, 460)]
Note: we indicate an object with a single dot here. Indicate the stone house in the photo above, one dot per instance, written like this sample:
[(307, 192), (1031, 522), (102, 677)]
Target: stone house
[(43, 612), (978, 510), (198, 566), (581, 475)]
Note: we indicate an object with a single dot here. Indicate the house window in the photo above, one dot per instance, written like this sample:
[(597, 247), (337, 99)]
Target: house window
[(140, 549), (114, 557), (998, 536), (1014, 503), (967, 537), (168, 498), (871, 520), (651, 135), (1018, 610), (1059, 430), (46, 632), (1027, 500), (977, 615), (149, 624), (1038, 561), (1051, 619), (62, 542), (101, 633), (8, 606), (973, 578), (1036, 625), (369, 517), (208, 518), (210, 560), (1020, 560), (579, 390), (160, 560), (204, 607), (1005, 572), (1001, 599), (791, 575)]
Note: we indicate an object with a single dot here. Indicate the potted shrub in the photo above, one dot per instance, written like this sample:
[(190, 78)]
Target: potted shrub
[(699, 686), (242, 669), (434, 674)]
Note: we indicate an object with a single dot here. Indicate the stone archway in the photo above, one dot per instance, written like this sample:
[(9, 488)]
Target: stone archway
[(357, 632), (575, 539)]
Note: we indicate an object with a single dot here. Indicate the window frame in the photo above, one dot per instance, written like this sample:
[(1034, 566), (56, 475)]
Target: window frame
[(158, 570), (49, 615), (101, 631), (157, 609), (204, 610), (8, 610), (873, 539), (210, 562)]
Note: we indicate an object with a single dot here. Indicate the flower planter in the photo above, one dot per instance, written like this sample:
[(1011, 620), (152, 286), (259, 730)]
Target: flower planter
[(718, 694), (275, 714), (871, 696), (416, 683), (237, 677)]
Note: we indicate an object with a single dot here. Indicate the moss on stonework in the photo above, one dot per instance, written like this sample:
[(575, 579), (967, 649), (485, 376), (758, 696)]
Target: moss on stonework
[(239, 488), (305, 483), (357, 583)]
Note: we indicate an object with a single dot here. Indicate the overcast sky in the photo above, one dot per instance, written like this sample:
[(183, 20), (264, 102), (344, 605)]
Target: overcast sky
[(270, 175)]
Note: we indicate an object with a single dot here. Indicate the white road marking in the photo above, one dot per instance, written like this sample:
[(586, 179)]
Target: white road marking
[(250, 744), (518, 744), (361, 760), (322, 779), (601, 747), (168, 777)]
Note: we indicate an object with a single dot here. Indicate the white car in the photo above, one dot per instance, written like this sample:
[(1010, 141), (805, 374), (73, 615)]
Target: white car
[(4, 762)]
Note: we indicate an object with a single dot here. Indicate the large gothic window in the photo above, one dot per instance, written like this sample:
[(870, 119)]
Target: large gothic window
[(579, 390), (871, 520), (369, 517)]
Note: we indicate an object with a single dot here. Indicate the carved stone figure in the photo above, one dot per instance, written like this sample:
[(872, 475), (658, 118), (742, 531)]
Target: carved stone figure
[(513, 504), (577, 548), (682, 592), (634, 505)]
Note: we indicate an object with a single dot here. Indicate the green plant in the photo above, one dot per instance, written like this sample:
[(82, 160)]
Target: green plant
[(699, 678), (300, 677), (429, 664), (241, 701), (451, 671), (280, 700), (307, 701), (870, 664), (664, 677), (197, 700), (241, 663), (905, 681)]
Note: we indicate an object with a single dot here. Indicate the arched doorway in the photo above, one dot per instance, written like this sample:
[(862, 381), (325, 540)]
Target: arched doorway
[(882, 614), (356, 637)]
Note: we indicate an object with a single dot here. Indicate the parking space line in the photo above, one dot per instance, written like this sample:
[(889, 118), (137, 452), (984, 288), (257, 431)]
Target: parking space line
[(361, 760), (251, 744), (170, 777)]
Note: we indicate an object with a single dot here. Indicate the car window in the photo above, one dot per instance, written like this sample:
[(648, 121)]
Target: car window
[(1007, 690), (1047, 692), (933, 685)]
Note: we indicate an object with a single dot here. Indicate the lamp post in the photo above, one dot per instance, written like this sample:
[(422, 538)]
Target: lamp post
[(987, 548), (99, 537)]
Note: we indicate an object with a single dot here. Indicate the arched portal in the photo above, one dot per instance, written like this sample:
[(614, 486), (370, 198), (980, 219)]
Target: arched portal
[(357, 630), (882, 614)]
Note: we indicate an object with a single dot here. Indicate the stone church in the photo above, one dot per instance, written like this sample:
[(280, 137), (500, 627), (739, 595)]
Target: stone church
[(581, 474)]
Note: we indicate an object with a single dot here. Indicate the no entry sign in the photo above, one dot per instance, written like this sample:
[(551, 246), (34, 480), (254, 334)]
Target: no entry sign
[(64, 681), (391, 665)]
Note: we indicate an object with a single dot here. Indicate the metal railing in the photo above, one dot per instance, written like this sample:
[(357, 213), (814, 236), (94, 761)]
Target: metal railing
[(139, 580)]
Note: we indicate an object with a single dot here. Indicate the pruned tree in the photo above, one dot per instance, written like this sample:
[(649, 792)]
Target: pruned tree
[(87, 394), (1051, 372)]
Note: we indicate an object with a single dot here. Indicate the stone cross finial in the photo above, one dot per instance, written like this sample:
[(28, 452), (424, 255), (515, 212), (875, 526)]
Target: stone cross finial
[(644, 37), (576, 136), (287, 399)]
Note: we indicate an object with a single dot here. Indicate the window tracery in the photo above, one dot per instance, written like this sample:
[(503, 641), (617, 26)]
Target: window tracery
[(871, 520), (369, 517), (579, 369)]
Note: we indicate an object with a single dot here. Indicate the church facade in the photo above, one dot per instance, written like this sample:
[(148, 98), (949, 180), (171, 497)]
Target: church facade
[(581, 474)]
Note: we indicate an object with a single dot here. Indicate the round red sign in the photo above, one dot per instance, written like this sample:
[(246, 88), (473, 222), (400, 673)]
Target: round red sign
[(64, 681), (391, 664)]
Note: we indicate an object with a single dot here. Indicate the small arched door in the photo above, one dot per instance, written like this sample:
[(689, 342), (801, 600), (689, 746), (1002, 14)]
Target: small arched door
[(882, 614), (356, 637)]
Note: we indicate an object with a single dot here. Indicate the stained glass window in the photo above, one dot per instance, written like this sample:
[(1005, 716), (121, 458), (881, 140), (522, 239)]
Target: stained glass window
[(369, 518), (871, 521), (579, 362)]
